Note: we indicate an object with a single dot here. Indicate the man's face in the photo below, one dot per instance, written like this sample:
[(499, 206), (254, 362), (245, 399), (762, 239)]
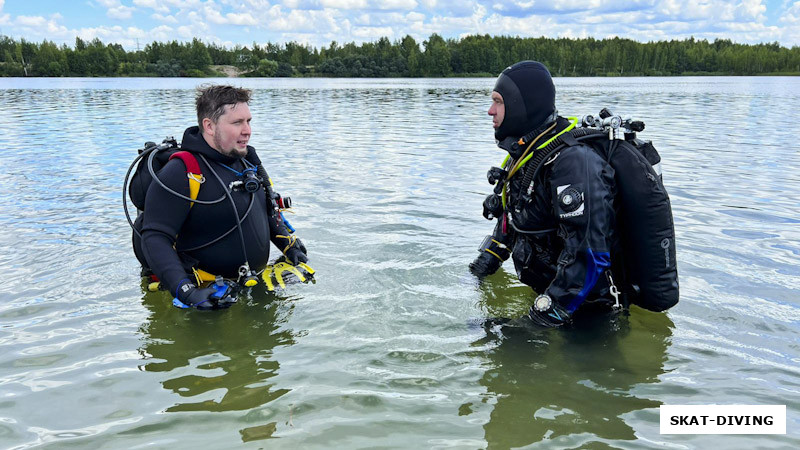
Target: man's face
[(231, 132), (497, 110)]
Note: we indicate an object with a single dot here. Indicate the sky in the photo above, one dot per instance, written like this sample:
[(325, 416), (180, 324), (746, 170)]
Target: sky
[(134, 23)]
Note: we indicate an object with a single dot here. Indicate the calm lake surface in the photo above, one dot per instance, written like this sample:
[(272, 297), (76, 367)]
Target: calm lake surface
[(387, 178)]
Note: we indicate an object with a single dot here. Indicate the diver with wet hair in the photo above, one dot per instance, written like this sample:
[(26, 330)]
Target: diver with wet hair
[(589, 231), (209, 214)]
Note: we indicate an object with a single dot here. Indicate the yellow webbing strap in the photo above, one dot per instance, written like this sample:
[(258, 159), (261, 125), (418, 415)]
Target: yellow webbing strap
[(291, 238), (195, 181)]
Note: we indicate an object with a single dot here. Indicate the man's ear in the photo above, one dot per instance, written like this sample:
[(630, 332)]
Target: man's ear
[(208, 126)]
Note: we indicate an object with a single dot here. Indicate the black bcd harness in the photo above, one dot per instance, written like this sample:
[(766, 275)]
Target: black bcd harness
[(644, 213)]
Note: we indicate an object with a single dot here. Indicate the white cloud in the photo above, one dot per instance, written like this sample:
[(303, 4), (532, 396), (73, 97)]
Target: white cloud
[(303, 22), (711, 9), (31, 21), (195, 21), (344, 4), (363, 19), (790, 33), (405, 5), (249, 5), (186, 32), (415, 17), (241, 19), (162, 18), (300, 4), (116, 10), (792, 15), (373, 33), (214, 15), (122, 12), (754, 8), (155, 5)]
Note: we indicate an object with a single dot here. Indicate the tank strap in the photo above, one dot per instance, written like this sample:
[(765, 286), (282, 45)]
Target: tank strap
[(193, 172)]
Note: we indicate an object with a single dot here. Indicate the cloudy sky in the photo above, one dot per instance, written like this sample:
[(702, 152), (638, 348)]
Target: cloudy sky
[(318, 22)]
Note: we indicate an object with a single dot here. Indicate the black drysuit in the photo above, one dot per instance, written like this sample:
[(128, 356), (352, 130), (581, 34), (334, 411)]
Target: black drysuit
[(175, 235), (562, 233)]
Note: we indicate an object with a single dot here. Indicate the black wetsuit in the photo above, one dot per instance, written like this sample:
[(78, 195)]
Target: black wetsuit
[(172, 231), (562, 234)]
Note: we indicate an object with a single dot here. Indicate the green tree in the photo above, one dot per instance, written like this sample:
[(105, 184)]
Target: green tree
[(266, 68), (436, 59), (284, 70), (49, 61), (197, 56), (409, 50)]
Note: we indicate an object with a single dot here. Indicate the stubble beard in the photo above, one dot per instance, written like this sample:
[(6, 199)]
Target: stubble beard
[(233, 152)]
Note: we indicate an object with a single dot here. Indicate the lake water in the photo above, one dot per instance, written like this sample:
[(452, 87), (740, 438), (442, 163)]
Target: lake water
[(387, 178)]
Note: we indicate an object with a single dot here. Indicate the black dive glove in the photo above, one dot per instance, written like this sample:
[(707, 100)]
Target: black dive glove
[(296, 254), (493, 253), (547, 313), (299, 244), (292, 248), (484, 265), (212, 297)]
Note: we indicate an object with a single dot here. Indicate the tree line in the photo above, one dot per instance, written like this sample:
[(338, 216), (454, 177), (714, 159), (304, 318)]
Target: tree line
[(477, 55)]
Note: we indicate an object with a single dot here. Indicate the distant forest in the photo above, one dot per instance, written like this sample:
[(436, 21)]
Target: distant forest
[(436, 57)]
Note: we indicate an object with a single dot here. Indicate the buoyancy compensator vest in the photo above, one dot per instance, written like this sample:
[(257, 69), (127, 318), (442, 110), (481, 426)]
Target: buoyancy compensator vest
[(161, 154), (644, 212), (151, 159)]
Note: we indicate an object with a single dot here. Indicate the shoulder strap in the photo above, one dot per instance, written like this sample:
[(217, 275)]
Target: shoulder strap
[(192, 172), (569, 139)]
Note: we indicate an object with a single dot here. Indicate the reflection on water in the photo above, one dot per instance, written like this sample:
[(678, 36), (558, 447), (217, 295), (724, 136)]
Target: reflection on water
[(544, 382), (216, 362), (573, 388), (387, 178)]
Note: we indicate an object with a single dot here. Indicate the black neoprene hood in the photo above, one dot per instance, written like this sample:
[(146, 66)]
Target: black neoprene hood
[(529, 97)]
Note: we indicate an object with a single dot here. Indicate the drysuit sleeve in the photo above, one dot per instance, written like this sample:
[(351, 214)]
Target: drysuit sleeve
[(494, 251), (164, 216), (581, 189), (279, 234)]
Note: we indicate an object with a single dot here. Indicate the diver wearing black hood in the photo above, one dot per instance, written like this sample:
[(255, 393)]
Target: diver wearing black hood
[(529, 97), (559, 227)]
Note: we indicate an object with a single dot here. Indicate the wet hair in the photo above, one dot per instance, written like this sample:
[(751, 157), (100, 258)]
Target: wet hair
[(529, 97), (211, 101)]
